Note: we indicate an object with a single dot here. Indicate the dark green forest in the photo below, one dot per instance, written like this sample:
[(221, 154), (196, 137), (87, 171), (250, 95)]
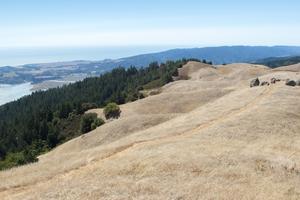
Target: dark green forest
[(39, 122), (279, 61)]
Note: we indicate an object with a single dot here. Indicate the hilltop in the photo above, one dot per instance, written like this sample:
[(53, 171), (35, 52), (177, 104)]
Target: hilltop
[(209, 136)]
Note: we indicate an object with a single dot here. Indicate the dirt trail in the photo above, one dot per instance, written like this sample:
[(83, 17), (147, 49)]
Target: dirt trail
[(268, 92)]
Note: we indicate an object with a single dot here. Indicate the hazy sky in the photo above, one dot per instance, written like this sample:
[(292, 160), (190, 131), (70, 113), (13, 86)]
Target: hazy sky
[(27, 23)]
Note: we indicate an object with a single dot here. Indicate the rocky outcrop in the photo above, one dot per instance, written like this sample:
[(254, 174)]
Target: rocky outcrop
[(254, 82), (290, 82), (273, 80)]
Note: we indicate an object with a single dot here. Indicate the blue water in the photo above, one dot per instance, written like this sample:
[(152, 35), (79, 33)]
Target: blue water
[(13, 92), (20, 56)]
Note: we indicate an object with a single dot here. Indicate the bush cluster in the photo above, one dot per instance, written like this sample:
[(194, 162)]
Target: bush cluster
[(90, 122)]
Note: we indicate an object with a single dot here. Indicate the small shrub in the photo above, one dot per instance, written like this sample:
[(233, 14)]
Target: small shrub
[(97, 122), (112, 110), (16, 159), (90, 122), (141, 95), (88, 106)]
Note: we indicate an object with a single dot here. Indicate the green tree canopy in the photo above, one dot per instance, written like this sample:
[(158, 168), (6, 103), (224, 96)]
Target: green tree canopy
[(90, 122), (38, 122), (112, 110)]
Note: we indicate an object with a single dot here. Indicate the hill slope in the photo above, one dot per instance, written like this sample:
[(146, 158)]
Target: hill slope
[(209, 137)]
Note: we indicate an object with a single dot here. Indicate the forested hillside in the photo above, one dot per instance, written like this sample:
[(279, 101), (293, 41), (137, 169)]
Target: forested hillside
[(280, 61), (37, 123)]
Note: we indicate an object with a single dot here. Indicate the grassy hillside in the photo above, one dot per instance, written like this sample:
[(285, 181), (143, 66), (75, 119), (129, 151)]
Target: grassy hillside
[(39, 122), (208, 137)]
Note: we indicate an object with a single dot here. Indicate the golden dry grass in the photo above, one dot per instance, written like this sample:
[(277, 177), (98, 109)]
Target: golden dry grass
[(209, 137)]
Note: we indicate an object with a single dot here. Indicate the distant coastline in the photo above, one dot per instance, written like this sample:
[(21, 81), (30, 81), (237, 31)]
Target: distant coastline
[(29, 55), (54, 70)]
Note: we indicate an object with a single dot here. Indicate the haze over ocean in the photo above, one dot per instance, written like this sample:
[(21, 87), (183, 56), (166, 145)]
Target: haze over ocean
[(21, 56), (58, 23), (51, 31)]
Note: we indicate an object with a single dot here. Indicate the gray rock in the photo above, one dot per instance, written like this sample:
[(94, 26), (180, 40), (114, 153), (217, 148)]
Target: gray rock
[(264, 83), (298, 82), (290, 82), (273, 80), (254, 82)]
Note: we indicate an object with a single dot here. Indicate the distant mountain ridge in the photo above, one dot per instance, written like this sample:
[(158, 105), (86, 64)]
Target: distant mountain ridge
[(279, 61), (218, 55), (77, 70)]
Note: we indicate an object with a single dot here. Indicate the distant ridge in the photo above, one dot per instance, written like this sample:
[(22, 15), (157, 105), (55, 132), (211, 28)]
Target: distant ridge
[(36, 73), (218, 55), (279, 61)]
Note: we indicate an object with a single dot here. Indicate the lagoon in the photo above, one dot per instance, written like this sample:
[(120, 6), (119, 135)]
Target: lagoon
[(13, 92)]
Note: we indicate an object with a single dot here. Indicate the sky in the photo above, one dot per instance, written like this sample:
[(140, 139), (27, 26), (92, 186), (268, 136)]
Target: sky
[(193, 23)]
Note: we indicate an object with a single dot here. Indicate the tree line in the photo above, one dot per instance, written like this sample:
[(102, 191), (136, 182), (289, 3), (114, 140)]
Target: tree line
[(39, 122)]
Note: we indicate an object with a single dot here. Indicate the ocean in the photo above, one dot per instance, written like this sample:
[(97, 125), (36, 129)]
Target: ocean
[(21, 56)]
